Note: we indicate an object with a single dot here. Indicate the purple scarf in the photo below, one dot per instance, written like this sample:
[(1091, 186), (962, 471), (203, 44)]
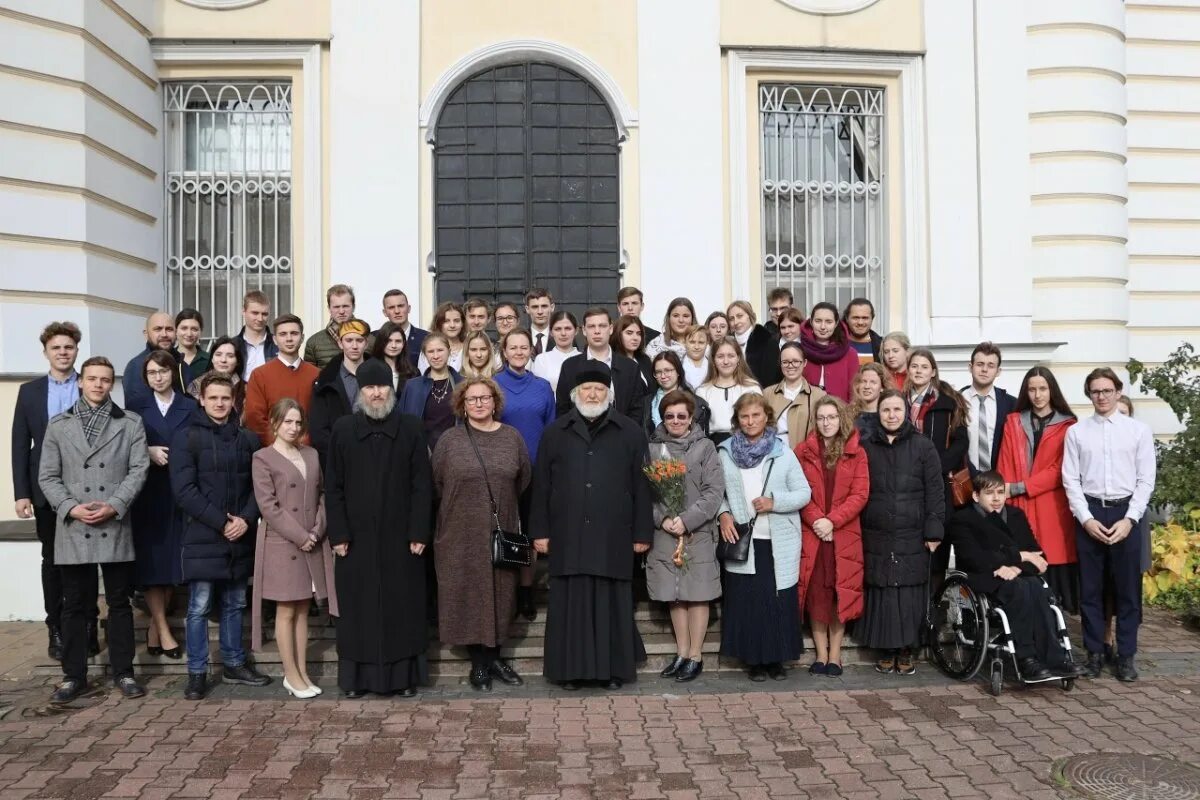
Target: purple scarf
[(823, 352), (747, 454)]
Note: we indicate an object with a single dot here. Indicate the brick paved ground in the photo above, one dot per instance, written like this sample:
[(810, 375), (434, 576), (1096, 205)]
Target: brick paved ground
[(931, 739)]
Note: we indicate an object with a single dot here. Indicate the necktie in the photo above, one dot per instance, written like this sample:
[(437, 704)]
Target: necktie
[(983, 449), (537, 348)]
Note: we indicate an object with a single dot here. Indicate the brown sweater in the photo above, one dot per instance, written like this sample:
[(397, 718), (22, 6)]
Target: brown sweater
[(269, 384)]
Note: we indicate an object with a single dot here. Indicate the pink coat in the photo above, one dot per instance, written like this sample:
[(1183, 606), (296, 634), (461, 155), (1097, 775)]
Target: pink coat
[(292, 507)]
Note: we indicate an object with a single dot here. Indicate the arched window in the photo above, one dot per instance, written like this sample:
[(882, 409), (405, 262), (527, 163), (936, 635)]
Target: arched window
[(526, 188)]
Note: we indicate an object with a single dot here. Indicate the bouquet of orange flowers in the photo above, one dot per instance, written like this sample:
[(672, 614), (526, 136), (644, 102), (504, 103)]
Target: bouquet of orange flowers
[(667, 476)]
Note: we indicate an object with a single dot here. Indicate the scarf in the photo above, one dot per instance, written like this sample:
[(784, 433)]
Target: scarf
[(747, 454), (823, 352), (93, 419)]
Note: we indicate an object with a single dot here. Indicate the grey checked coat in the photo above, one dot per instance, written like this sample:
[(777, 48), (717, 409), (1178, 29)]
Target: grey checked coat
[(112, 471)]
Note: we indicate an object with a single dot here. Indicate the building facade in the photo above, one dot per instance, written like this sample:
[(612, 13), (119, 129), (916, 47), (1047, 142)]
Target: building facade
[(1025, 172)]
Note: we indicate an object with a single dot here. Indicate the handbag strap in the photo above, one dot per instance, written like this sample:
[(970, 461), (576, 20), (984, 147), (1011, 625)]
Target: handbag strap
[(766, 478), (487, 481)]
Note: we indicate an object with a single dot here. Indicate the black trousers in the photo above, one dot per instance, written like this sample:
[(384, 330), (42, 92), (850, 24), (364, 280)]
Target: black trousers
[(52, 583), (1123, 563), (1026, 603), (79, 592)]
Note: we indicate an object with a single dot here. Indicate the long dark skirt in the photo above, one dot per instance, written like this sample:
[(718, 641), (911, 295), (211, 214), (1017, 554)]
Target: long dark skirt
[(760, 625), (893, 616), (1064, 583), (590, 631), (394, 676)]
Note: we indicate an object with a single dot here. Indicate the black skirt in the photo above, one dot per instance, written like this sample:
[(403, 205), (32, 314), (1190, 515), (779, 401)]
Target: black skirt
[(590, 630), (394, 676), (893, 616), (760, 625), (1064, 583)]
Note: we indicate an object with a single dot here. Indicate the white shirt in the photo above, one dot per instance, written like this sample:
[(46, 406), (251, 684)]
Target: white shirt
[(454, 362), (163, 407), (720, 402), (781, 419), (256, 356), (547, 342), (292, 365), (989, 409), (607, 356), (752, 487), (742, 338), (695, 375), (1110, 458), (549, 365), (659, 344)]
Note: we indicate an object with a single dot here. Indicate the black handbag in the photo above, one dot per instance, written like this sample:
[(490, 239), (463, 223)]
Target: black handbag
[(510, 550), (739, 551)]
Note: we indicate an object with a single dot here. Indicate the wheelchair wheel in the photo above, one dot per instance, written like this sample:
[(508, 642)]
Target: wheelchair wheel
[(996, 685), (1068, 684), (959, 632)]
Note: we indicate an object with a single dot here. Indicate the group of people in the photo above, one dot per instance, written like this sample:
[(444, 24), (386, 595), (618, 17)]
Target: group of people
[(820, 462)]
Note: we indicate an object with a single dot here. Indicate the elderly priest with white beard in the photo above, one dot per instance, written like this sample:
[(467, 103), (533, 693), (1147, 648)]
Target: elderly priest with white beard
[(378, 504), (591, 512)]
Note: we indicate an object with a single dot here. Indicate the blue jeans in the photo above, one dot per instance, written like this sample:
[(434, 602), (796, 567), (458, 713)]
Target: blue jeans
[(232, 596)]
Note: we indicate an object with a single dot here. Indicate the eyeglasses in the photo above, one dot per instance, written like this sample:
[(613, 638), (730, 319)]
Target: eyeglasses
[(826, 419), (676, 417), (157, 373), (506, 318), (663, 373), (1102, 392), (779, 309), (790, 363), (482, 400)]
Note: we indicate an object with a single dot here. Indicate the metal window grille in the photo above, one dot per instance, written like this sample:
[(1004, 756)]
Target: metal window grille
[(822, 181), (228, 198)]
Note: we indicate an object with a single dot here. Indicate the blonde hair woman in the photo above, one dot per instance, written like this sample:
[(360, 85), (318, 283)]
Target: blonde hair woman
[(728, 379), (480, 359)]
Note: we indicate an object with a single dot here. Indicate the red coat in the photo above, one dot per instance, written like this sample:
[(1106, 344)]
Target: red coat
[(1045, 500), (852, 484)]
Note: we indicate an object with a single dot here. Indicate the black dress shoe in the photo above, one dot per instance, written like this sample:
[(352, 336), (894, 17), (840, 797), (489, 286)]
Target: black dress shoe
[(354, 694), (409, 692), (93, 640), (481, 679), (67, 691), (152, 650), (175, 653), (503, 670), (525, 605), (673, 667), (130, 688), (245, 675), (1125, 670), (1032, 669), (1094, 665), (54, 649), (777, 672), (197, 686), (757, 673), (689, 671), (614, 684)]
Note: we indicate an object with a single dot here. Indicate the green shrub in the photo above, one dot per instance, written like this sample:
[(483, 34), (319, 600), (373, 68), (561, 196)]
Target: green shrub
[(1176, 383)]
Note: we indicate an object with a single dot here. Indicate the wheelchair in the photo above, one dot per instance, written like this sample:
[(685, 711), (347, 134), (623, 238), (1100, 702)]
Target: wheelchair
[(967, 630)]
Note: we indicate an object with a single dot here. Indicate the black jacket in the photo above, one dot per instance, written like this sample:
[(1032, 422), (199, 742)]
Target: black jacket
[(329, 404), (762, 356), (985, 542), (951, 448), (590, 496), (905, 509), (1005, 403), (210, 478), (28, 430), (629, 391), (270, 349)]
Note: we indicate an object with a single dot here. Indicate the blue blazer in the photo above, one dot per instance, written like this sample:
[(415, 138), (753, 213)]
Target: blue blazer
[(416, 392), (28, 430)]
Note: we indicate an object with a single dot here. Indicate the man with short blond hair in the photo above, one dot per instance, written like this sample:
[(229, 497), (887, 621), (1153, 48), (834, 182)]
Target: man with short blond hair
[(323, 346), (254, 341)]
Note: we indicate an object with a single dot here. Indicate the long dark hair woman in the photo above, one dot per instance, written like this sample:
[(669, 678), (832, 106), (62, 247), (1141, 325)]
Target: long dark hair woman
[(832, 362), (904, 516), (391, 346), (629, 339), (226, 359)]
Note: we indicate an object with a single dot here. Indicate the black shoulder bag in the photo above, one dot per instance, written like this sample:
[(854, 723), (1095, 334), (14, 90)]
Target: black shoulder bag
[(739, 551), (509, 550)]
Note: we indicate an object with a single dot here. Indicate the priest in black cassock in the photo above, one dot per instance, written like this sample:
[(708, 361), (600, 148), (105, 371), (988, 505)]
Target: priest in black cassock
[(591, 513), (378, 505)]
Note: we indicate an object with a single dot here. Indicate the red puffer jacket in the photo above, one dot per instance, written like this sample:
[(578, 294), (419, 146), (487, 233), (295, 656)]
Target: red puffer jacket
[(850, 490)]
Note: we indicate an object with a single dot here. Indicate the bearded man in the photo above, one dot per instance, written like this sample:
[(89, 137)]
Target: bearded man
[(378, 504), (591, 512)]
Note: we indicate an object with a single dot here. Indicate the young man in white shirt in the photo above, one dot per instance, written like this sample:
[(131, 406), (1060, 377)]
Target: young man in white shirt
[(254, 341), (539, 306), (1108, 473), (988, 408)]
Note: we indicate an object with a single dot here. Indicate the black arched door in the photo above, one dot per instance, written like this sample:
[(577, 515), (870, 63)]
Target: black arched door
[(526, 189)]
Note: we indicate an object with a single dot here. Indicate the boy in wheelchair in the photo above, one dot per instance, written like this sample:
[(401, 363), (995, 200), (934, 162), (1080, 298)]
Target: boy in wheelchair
[(995, 547)]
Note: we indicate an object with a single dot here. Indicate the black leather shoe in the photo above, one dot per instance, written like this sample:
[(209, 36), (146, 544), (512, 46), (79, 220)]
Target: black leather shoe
[(175, 653), (614, 684), (1125, 670), (525, 605), (1110, 654), (409, 692), (757, 673), (130, 688), (197, 686), (503, 670), (67, 691), (689, 671), (673, 668), (777, 672), (55, 648), (1094, 665), (481, 679), (1067, 669), (1032, 669), (354, 694), (93, 640), (245, 675)]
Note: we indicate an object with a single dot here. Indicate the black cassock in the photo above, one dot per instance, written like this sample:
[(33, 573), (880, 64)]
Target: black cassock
[(592, 501), (378, 497)]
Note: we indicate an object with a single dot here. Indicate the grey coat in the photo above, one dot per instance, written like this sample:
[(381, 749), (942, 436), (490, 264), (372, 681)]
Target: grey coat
[(112, 471), (700, 579)]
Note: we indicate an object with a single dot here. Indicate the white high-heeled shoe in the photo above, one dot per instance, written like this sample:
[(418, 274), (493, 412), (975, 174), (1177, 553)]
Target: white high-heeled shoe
[(302, 694), (314, 688)]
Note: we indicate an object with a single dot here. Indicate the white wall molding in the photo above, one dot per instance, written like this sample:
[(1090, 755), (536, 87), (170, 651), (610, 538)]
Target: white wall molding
[(829, 8), (311, 300), (908, 70), (521, 49)]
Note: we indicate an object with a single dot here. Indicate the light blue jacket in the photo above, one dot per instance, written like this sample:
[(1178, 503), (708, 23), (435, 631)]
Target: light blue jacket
[(788, 487)]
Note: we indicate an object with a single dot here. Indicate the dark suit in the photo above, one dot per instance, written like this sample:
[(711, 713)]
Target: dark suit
[(628, 389), (28, 430), (416, 337), (1005, 403)]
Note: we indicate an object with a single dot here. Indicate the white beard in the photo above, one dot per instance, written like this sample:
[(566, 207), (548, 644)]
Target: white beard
[(592, 410), (377, 413)]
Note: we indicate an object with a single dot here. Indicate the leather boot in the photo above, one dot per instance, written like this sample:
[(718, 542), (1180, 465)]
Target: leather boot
[(55, 648)]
